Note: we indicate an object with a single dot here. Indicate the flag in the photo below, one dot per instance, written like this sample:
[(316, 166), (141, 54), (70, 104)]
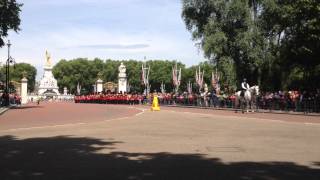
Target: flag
[(78, 89), (213, 81), (179, 77), (142, 75), (174, 77), (197, 80)]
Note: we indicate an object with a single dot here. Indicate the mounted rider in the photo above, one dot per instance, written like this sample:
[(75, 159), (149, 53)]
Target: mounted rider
[(244, 86)]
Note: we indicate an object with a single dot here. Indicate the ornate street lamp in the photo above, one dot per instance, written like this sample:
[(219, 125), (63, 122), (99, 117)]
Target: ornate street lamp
[(145, 76), (8, 62)]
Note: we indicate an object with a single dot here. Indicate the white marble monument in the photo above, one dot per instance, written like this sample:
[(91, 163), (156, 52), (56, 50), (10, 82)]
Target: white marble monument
[(122, 79), (48, 84)]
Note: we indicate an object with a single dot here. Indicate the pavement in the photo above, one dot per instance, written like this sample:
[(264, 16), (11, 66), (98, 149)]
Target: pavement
[(131, 142), (258, 111), (3, 110)]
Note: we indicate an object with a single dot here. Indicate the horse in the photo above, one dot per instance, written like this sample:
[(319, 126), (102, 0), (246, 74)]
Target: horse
[(249, 98), (204, 99)]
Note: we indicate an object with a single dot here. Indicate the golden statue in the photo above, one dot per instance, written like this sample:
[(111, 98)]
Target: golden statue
[(48, 57)]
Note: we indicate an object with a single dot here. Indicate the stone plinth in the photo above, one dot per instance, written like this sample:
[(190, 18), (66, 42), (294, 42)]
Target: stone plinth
[(65, 91), (99, 86), (24, 90)]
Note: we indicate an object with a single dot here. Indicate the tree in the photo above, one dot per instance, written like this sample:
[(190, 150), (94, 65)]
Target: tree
[(270, 42), (16, 74), (161, 71), (293, 27), (134, 75), (80, 70), (228, 33), (9, 17)]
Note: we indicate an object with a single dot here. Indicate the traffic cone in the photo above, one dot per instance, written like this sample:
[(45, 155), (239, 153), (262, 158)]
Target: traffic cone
[(155, 104)]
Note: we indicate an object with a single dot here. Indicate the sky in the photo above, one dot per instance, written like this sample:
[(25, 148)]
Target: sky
[(106, 29)]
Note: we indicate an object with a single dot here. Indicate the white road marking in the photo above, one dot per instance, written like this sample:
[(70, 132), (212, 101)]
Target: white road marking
[(307, 123), (142, 111)]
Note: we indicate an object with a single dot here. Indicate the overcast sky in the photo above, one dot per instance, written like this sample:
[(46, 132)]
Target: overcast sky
[(115, 29)]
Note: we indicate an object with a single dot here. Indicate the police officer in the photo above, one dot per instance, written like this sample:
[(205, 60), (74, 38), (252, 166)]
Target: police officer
[(245, 86)]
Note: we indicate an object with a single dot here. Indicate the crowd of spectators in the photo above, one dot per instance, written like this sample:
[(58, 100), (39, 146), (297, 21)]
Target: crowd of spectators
[(281, 100), (297, 101), (306, 101), (7, 99)]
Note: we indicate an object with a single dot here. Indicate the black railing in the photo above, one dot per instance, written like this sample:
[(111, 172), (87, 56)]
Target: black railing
[(308, 105)]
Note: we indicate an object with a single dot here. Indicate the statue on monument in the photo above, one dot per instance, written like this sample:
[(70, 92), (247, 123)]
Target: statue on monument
[(48, 58), (122, 69), (48, 84)]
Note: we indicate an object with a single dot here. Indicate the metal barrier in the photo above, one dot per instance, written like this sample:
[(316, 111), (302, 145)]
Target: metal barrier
[(310, 105)]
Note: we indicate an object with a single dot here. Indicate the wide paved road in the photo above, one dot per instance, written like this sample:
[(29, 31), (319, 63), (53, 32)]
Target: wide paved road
[(87, 141)]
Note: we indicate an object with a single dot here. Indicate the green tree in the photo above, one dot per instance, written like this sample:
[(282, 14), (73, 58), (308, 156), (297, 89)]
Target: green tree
[(134, 75), (293, 28), (9, 17), (161, 71), (270, 42), (228, 33), (84, 71), (80, 70), (16, 74)]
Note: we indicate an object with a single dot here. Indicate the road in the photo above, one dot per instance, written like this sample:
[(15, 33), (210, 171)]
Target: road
[(91, 141)]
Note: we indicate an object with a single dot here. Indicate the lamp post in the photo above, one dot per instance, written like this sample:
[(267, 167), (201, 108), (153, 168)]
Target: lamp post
[(9, 60), (145, 76), (176, 78), (7, 67)]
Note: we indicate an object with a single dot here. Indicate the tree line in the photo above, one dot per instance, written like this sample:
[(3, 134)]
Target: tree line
[(85, 72)]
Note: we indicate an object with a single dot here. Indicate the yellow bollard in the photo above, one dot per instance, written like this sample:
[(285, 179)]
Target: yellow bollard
[(155, 104)]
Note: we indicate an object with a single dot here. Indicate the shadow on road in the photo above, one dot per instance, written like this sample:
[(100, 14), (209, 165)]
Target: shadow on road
[(65, 157)]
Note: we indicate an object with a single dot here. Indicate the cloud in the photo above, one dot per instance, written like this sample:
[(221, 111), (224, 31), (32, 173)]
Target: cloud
[(113, 46)]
